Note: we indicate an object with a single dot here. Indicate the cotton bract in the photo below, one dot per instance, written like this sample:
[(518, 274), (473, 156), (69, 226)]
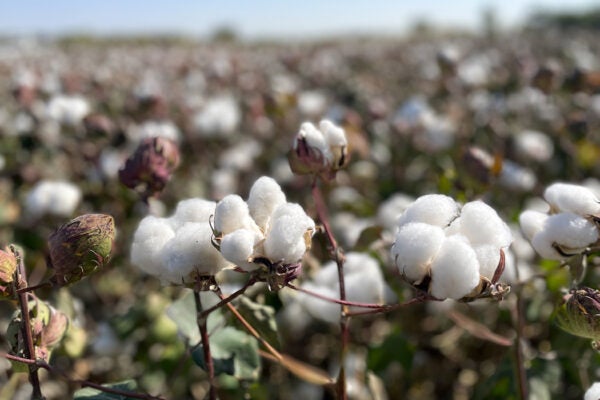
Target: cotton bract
[(447, 249)]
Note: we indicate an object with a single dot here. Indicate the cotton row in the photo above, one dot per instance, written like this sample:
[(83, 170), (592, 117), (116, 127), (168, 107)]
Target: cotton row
[(449, 248), (569, 226)]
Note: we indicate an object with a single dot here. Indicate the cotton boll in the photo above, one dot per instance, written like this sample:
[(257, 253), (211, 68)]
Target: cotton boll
[(415, 246), (192, 210), (434, 209), (572, 198), (285, 241), (232, 213), (265, 196), (319, 308), (191, 250), (532, 222), (391, 209), (593, 393), (543, 245), (481, 225), (238, 247), (571, 231), (52, 197), (363, 279), (535, 145), (148, 241), (314, 138), (455, 269), (488, 257), (455, 227), (334, 135)]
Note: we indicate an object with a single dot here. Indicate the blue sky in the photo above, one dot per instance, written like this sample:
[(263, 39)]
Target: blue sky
[(258, 18)]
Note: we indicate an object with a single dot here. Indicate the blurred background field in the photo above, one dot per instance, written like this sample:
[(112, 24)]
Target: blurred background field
[(491, 100)]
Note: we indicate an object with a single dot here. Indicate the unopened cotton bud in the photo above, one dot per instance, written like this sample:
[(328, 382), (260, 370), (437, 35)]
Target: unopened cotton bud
[(8, 266), (149, 239), (580, 313), (481, 225), (433, 209), (415, 246), (81, 246), (289, 237), (565, 197), (238, 247), (265, 196), (455, 269), (532, 222)]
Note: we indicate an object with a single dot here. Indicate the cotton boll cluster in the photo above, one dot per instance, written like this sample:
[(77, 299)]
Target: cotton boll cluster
[(57, 198), (265, 226), (363, 281), (569, 227), (449, 250), (178, 249)]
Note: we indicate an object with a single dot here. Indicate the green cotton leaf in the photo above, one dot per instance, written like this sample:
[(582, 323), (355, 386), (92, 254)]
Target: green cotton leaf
[(262, 318), (95, 394), (233, 352), (395, 348), (183, 313)]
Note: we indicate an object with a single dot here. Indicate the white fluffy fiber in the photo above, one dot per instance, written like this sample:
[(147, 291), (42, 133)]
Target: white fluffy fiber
[(334, 135), (415, 246), (265, 196), (455, 270), (149, 239), (69, 110), (58, 198), (532, 222), (192, 210), (566, 197), (571, 232), (238, 247), (433, 209), (285, 241), (488, 257), (326, 138), (593, 393), (232, 213), (481, 225)]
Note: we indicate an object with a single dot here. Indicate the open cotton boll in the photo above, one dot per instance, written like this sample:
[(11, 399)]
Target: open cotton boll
[(481, 225), (285, 241), (571, 231), (148, 241), (190, 250), (573, 198), (488, 257), (265, 196), (543, 245), (192, 210), (415, 246), (319, 308), (390, 210), (434, 209), (314, 138), (532, 222), (593, 393), (238, 247), (52, 197), (232, 213), (455, 269), (334, 135)]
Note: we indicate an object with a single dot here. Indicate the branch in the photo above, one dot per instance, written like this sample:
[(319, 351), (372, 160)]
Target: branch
[(208, 361)]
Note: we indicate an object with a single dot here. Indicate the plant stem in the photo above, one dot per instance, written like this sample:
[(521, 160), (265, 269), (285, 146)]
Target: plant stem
[(338, 256), (341, 302), (29, 349), (229, 298), (208, 361)]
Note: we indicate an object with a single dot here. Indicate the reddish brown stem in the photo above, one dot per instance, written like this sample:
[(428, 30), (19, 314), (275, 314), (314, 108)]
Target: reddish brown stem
[(208, 361), (229, 298), (337, 301)]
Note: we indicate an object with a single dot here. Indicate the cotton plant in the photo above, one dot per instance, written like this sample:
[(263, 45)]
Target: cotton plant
[(264, 232), (451, 251), (569, 227)]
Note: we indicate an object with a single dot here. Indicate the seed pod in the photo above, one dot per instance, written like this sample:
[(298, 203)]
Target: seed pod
[(579, 314), (8, 266), (80, 246)]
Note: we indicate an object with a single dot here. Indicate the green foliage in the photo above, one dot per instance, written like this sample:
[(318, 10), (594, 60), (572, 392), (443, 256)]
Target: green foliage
[(95, 394)]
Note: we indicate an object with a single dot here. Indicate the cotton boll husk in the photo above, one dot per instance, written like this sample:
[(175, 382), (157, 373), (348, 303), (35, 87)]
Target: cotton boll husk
[(455, 269), (532, 222), (265, 196), (238, 247), (488, 257), (593, 393), (481, 225), (285, 241), (148, 241), (191, 250), (232, 213), (415, 246), (192, 210), (434, 209), (571, 231), (572, 198)]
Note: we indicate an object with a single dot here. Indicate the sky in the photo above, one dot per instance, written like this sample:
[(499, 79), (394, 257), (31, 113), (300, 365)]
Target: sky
[(260, 18)]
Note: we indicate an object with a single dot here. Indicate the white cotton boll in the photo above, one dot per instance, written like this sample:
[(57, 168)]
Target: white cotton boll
[(363, 279), (481, 225), (238, 247), (319, 308), (455, 227), (285, 241), (148, 241), (312, 103), (433, 209), (543, 245), (190, 251), (593, 393), (231, 213), (573, 198), (535, 145), (532, 222), (515, 177), (265, 196), (455, 269), (163, 129), (69, 110), (52, 197), (192, 210), (488, 257), (571, 231), (334, 135), (416, 245), (314, 138), (390, 210), (220, 116)]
